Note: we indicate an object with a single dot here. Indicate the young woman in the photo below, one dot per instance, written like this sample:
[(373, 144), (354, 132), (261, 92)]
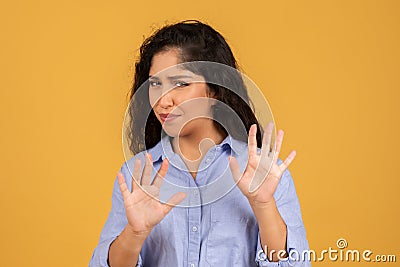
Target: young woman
[(200, 207)]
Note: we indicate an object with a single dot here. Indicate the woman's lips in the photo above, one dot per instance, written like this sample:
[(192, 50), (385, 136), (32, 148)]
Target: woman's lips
[(168, 117)]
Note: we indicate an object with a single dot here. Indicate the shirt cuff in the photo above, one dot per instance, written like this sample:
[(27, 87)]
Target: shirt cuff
[(100, 255), (293, 249), (262, 259)]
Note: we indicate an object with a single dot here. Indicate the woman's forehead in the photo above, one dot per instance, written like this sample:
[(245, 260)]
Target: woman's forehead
[(164, 60)]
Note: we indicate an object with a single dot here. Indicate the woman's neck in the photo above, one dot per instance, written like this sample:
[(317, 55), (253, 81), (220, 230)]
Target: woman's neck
[(192, 148)]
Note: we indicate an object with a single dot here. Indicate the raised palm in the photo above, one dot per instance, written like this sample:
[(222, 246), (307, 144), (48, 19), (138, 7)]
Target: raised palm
[(142, 206), (261, 176)]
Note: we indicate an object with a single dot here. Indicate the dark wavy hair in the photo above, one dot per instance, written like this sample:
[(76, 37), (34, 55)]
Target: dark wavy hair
[(195, 41)]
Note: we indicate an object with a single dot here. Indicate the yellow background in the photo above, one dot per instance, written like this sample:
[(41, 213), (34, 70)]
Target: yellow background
[(329, 69)]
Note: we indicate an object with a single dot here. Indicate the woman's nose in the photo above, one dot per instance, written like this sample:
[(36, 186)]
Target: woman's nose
[(167, 99)]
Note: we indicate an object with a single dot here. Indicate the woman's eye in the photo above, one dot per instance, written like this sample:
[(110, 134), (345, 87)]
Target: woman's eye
[(154, 83), (181, 84)]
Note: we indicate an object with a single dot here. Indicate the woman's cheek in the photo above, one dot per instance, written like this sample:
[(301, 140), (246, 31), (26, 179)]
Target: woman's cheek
[(154, 95)]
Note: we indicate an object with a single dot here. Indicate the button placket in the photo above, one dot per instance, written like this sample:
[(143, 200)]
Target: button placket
[(194, 220)]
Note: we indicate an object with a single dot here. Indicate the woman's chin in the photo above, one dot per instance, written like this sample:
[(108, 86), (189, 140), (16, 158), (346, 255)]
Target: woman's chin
[(170, 132), (173, 131)]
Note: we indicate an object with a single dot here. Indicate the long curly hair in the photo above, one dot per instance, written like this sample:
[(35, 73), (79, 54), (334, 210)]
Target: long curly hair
[(195, 41)]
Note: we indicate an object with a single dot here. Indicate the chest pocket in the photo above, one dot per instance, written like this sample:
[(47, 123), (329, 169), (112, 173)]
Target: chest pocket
[(232, 239)]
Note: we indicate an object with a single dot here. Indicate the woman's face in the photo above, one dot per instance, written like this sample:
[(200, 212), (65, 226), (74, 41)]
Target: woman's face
[(179, 98)]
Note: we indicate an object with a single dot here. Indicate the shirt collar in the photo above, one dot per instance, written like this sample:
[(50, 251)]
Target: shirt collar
[(164, 149)]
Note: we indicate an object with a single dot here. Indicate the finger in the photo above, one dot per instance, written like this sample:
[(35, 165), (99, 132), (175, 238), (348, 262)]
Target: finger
[(136, 173), (284, 165), (159, 179), (278, 144), (252, 140), (235, 169), (173, 201), (122, 186), (147, 171), (266, 142)]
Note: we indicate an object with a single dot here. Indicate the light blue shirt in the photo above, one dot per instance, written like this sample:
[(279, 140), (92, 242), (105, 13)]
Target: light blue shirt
[(214, 225)]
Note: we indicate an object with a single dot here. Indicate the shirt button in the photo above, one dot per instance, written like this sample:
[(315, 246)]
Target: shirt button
[(196, 192), (194, 228), (207, 160)]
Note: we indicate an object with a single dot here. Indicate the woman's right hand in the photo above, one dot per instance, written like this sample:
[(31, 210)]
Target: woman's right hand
[(144, 209)]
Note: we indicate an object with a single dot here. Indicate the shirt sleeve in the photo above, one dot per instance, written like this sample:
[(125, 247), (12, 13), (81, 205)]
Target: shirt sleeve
[(296, 241), (114, 225)]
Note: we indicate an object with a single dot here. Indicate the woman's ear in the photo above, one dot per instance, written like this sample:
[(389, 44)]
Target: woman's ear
[(213, 101), (211, 94), (213, 97)]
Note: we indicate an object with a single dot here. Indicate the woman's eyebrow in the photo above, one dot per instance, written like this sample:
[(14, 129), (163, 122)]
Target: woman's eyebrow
[(178, 77), (172, 77)]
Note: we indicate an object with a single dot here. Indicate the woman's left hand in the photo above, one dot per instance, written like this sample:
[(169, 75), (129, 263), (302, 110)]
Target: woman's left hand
[(256, 175)]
